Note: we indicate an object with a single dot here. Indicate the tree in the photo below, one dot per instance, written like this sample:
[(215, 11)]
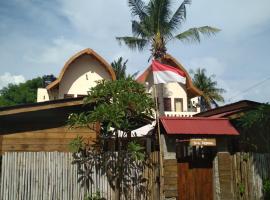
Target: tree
[(119, 106), (120, 68), (155, 25), (255, 126), (211, 93), (22, 93)]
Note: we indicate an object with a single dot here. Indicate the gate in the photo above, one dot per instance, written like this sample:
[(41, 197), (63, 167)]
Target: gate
[(195, 172)]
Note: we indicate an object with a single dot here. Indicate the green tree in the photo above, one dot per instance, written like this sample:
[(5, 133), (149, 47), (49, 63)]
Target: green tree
[(119, 106), (22, 93), (155, 24), (120, 69), (211, 93), (255, 129)]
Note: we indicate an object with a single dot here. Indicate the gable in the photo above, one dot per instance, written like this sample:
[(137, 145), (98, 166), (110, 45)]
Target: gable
[(100, 65)]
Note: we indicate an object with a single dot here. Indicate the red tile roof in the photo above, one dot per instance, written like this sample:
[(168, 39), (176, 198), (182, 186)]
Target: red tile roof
[(198, 126)]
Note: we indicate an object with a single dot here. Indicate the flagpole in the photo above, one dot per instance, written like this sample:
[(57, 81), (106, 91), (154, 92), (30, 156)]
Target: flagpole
[(161, 174)]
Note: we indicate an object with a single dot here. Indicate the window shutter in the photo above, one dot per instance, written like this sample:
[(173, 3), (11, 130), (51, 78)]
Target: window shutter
[(167, 104)]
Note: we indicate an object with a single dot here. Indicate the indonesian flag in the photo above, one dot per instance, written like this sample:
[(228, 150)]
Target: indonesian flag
[(165, 74)]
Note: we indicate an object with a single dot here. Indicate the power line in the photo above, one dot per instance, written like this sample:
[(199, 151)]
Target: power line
[(249, 88)]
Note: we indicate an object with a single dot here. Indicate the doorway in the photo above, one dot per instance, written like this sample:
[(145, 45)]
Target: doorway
[(195, 174)]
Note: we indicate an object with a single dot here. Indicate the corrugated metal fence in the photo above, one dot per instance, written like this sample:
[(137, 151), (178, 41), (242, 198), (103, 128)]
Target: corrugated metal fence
[(50, 175)]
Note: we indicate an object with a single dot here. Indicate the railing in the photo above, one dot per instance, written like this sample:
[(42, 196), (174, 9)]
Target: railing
[(179, 114)]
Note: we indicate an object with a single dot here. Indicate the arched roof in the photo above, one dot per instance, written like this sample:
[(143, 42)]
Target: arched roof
[(168, 59), (87, 51)]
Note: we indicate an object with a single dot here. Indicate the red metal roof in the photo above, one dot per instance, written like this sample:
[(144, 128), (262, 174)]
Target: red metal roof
[(198, 126)]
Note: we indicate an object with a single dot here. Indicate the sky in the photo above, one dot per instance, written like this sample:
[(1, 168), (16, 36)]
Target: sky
[(37, 37)]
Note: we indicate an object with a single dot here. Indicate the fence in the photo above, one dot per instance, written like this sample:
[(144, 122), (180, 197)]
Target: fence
[(249, 172), (50, 175)]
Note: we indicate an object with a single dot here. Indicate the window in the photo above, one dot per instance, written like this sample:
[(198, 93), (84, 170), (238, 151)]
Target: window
[(66, 96), (178, 105), (167, 104)]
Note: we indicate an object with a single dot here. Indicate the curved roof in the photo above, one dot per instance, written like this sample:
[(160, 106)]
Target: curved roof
[(87, 51), (169, 60)]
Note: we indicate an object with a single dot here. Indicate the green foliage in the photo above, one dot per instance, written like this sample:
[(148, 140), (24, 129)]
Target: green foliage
[(255, 129), (119, 106), (259, 117), (241, 188), (76, 144), (22, 93), (155, 24), (120, 68), (211, 93), (94, 196), (136, 150), (266, 189)]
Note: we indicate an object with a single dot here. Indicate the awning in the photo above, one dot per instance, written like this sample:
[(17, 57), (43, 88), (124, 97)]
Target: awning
[(198, 126)]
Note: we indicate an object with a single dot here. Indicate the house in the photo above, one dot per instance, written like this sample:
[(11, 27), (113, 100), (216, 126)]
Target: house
[(79, 73), (174, 99), (199, 161), (190, 144), (34, 138)]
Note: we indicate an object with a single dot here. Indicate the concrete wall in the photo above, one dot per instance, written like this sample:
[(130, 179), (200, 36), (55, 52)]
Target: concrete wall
[(173, 91), (42, 95), (81, 75)]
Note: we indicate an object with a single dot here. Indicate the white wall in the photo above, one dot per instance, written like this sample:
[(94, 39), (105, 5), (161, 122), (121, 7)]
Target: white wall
[(42, 95), (81, 75), (169, 90)]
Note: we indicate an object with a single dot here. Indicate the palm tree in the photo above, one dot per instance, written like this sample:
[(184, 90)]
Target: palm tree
[(155, 24), (211, 93), (120, 68)]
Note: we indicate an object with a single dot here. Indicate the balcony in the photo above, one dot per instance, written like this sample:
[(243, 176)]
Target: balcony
[(180, 114)]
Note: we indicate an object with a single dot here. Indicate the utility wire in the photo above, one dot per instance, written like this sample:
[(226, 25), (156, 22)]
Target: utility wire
[(249, 88)]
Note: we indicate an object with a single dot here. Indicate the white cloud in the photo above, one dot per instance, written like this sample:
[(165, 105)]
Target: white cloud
[(101, 19), (7, 78), (211, 64), (233, 17), (55, 53)]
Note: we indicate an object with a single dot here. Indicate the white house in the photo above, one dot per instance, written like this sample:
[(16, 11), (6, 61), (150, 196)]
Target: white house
[(79, 73), (82, 70), (174, 99)]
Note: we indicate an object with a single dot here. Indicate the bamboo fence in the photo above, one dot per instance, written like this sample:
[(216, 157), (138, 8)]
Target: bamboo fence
[(51, 176)]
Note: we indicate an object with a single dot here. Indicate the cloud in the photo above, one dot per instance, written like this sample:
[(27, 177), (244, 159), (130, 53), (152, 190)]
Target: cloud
[(211, 64), (7, 78), (235, 18), (101, 19), (55, 53), (42, 35)]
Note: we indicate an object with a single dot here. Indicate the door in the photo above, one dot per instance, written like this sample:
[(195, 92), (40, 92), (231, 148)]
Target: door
[(195, 181), (178, 105), (195, 178)]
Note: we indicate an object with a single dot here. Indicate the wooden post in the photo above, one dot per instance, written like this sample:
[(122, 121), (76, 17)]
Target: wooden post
[(161, 173)]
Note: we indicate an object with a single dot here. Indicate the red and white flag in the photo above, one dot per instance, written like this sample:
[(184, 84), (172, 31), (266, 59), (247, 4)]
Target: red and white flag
[(165, 74)]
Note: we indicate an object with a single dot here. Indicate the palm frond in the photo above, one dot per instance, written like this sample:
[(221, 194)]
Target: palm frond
[(194, 34), (139, 29), (133, 42), (138, 8), (179, 16), (211, 93)]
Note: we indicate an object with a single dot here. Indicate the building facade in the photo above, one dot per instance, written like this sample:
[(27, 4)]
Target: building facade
[(173, 99), (79, 74)]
